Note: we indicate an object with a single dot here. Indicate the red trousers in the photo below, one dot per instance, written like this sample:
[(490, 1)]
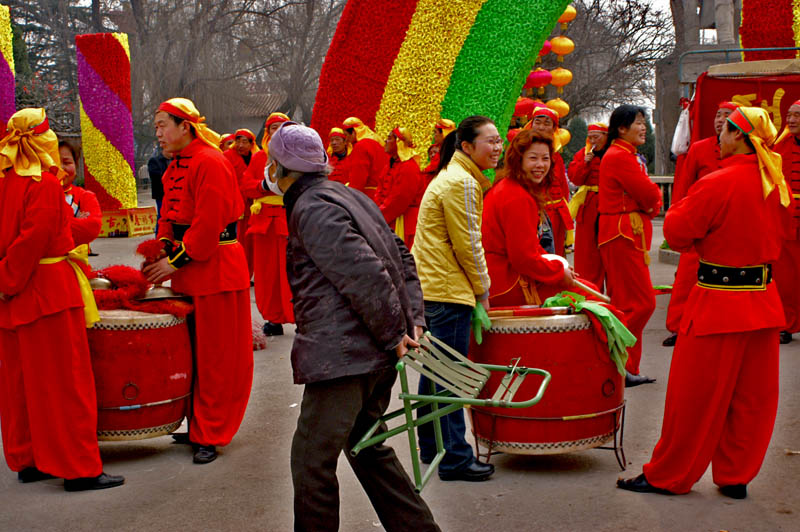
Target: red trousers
[(48, 403), (629, 286), (223, 366), (273, 295), (722, 398), (685, 279), (787, 276), (588, 262), (247, 243)]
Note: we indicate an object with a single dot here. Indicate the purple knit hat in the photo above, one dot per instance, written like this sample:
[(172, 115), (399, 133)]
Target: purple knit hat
[(298, 148)]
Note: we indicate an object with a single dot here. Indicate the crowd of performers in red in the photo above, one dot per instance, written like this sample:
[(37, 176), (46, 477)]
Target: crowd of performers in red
[(221, 229)]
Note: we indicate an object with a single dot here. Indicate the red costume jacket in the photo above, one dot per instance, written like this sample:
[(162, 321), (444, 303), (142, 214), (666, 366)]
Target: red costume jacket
[(582, 174), (511, 242), (31, 210), (200, 190), (713, 216), (702, 159), (626, 189), (367, 161), (80, 200), (239, 167), (559, 196), (399, 192), (271, 217), (789, 149), (339, 165)]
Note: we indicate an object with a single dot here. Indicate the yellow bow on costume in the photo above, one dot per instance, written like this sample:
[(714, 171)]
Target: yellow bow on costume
[(255, 208), (80, 253), (757, 125), (579, 198), (29, 146)]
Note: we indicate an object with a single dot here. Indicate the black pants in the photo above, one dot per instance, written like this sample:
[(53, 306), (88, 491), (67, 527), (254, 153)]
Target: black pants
[(334, 415)]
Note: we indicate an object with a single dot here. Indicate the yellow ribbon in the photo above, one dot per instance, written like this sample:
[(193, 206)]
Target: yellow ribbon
[(580, 198), (28, 152), (637, 225), (255, 208), (400, 227), (80, 253)]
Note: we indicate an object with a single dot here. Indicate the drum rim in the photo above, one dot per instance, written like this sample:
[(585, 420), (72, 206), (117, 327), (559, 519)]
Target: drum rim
[(525, 323), (120, 317)]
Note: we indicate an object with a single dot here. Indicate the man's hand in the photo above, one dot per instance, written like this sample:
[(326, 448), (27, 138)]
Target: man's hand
[(405, 344), (82, 214), (159, 271), (418, 332), (589, 156), (2, 296), (569, 277)]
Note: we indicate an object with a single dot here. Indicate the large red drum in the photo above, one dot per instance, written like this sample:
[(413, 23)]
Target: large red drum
[(582, 407), (143, 373)]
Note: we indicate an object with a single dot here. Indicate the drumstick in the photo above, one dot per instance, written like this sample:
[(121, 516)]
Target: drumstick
[(602, 297), (527, 312)]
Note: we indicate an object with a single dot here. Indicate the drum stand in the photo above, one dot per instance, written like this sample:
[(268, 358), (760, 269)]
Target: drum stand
[(617, 416), (461, 381)]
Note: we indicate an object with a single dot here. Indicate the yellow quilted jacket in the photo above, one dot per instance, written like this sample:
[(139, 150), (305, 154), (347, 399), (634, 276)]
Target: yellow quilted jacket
[(447, 246)]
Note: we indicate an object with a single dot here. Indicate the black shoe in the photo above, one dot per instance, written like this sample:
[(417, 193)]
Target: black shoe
[(31, 474), (640, 485), (786, 337), (734, 491), (100, 482), (632, 380), (205, 454), (181, 437), (670, 340), (272, 329), (475, 472)]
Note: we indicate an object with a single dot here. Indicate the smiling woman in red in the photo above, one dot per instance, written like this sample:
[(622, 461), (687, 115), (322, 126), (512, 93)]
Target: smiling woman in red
[(516, 229), (628, 202)]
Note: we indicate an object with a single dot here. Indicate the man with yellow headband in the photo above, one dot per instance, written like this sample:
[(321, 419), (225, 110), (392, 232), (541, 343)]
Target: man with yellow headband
[(722, 394), (338, 150), (270, 236), (401, 185), (244, 147), (368, 158), (48, 403), (787, 268), (584, 171), (702, 159), (201, 206), (440, 131)]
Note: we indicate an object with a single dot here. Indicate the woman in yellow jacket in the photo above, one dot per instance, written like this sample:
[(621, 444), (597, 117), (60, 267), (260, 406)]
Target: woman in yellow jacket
[(452, 270)]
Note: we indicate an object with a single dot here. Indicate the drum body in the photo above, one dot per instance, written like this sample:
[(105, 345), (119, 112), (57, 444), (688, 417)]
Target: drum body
[(143, 373), (582, 407)]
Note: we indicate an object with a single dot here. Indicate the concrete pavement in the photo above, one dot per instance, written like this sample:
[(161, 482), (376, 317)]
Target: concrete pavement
[(249, 486)]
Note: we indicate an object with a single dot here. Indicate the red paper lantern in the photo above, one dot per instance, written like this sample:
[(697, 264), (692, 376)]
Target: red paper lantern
[(538, 79)]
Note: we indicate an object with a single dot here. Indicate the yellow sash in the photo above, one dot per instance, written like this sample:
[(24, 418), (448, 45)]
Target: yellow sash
[(580, 198), (80, 253), (637, 225), (400, 227), (255, 208)]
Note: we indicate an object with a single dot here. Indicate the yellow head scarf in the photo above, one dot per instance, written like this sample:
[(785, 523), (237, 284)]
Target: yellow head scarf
[(447, 126), (405, 144), (756, 124), (338, 132), (362, 131), (183, 108), (29, 145), (246, 133), (271, 119)]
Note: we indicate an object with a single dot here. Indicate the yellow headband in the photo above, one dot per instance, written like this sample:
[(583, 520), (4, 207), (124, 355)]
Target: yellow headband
[(756, 124), (183, 108), (362, 131), (405, 144), (29, 145)]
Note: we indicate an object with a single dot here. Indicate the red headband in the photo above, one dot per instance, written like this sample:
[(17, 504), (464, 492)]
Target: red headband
[(549, 113), (402, 137), (340, 134), (728, 105), (738, 119), (598, 127), (245, 133), (796, 103), (274, 119), (226, 138), (175, 111)]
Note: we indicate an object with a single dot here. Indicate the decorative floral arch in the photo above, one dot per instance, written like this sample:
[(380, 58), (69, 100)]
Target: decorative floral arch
[(406, 63)]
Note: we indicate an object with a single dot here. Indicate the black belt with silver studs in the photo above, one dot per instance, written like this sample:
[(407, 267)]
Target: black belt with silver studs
[(743, 278)]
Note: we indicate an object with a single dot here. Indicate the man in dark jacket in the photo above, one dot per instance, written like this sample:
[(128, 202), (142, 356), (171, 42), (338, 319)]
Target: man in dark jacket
[(358, 307), (156, 166)]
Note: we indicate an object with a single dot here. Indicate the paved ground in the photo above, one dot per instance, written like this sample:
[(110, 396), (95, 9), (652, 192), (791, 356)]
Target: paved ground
[(249, 487)]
